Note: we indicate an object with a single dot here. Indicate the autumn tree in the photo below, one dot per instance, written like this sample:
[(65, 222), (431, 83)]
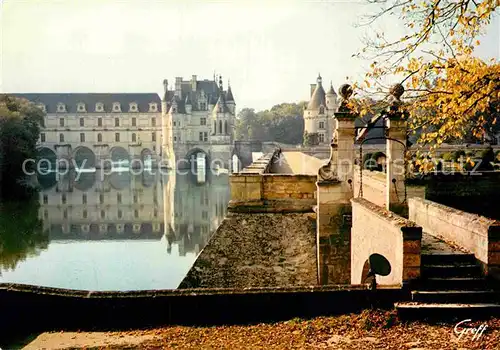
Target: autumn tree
[(449, 91)]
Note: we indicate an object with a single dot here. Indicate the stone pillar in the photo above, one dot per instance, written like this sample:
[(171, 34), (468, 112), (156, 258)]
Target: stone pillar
[(395, 151), (334, 192)]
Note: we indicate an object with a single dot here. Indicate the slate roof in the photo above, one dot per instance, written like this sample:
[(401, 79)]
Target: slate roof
[(70, 100), (317, 98)]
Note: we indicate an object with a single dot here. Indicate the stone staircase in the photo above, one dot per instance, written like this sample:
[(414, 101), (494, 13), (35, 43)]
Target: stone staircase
[(452, 286)]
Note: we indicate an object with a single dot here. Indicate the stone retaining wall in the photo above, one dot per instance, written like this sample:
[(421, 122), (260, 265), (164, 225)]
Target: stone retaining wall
[(258, 250), (376, 230), (475, 233)]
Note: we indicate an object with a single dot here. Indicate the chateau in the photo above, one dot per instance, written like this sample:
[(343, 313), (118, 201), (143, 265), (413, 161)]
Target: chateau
[(194, 119), (319, 119)]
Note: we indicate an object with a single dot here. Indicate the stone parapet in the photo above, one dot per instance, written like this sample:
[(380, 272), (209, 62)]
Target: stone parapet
[(377, 230), (477, 234)]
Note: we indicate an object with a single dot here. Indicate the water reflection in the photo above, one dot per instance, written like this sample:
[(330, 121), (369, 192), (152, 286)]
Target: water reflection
[(120, 231)]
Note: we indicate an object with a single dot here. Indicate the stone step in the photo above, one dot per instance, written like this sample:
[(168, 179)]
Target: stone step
[(456, 296), (451, 270), (443, 259), (446, 311), (453, 283)]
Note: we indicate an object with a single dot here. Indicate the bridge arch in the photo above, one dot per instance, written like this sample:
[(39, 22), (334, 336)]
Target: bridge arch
[(193, 156), (119, 155), (46, 159), (84, 181), (120, 180), (84, 158)]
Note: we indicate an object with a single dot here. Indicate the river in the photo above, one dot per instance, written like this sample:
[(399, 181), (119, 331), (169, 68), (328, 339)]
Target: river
[(119, 231)]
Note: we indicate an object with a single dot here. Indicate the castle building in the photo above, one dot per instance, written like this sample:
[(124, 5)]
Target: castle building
[(94, 129), (319, 118), (194, 119), (198, 120)]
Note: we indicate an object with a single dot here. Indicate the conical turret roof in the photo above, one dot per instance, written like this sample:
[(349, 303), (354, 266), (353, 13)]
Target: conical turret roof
[(318, 96), (229, 94)]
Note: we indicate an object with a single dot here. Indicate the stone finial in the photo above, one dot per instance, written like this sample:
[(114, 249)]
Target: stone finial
[(345, 92), (395, 93), (165, 84)]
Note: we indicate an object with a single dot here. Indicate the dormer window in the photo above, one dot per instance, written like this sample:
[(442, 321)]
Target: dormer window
[(61, 107), (116, 107), (153, 107), (321, 110), (42, 107), (99, 107), (132, 107), (80, 107)]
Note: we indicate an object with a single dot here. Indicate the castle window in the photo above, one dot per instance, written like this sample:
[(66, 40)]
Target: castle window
[(61, 122), (153, 136), (321, 138), (321, 110), (119, 198), (45, 199), (117, 122), (201, 136), (103, 214), (99, 137), (203, 106), (101, 198), (61, 137), (225, 127), (65, 213), (136, 213), (220, 126), (63, 198), (153, 121), (84, 214), (82, 122), (84, 198), (99, 107), (153, 107), (80, 107), (82, 137), (175, 123), (120, 214), (135, 198), (203, 121), (134, 122), (42, 137), (61, 107), (175, 138), (117, 137), (116, 107), (132, 107), (321, 125), (134, 137), (99, 121)]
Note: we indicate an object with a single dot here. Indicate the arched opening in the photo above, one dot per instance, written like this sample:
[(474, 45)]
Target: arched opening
[(215, 127), (120, 180), (225, 127), (146, 158), (84, 158), (120, 157), (220, 127), (84, 181), (46, 159)]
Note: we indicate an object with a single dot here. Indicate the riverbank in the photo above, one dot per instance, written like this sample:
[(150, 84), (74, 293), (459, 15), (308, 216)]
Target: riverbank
[(366, 330)]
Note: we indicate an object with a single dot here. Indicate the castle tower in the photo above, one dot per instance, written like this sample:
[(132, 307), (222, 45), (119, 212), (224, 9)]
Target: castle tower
[(318, 115)]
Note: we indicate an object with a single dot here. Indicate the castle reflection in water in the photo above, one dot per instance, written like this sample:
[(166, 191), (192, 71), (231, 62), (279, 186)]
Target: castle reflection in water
[(185, 209)]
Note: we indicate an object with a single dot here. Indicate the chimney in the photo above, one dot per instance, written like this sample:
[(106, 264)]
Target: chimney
[(178, 88), (313, 86), (193, 83)]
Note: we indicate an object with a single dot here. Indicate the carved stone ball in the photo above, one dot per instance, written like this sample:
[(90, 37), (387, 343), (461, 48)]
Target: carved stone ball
[(345, 91), (397, 90)]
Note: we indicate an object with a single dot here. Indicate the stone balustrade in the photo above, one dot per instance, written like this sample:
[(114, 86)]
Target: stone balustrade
[(377, 230), (477, 234)]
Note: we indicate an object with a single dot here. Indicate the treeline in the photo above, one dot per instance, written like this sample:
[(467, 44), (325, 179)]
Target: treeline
[(283, 123), (19, 132)]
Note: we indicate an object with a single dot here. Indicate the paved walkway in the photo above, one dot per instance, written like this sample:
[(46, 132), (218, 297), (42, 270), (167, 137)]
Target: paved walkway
[(297, 163)]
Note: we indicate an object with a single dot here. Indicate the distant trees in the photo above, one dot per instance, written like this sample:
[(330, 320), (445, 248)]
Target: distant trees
[(282, 123), (19, 132)]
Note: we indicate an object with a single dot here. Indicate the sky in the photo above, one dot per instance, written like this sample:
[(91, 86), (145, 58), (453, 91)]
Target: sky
[(270, 50)]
